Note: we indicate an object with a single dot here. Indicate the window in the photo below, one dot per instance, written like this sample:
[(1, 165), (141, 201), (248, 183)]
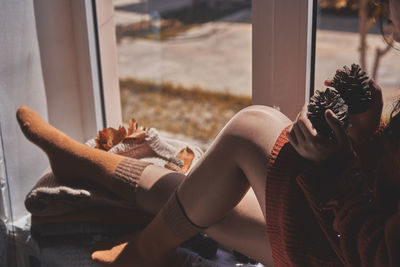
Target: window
[(185, 67), (339, 42), (282, 54), (199, 68)]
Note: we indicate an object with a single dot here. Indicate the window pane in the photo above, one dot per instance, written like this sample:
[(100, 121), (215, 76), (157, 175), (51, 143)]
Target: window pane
[(339, 44), (184, 65)]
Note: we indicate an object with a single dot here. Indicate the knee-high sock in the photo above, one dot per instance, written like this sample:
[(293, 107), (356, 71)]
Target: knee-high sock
[(156, 241), (176, 218), (71, 160)]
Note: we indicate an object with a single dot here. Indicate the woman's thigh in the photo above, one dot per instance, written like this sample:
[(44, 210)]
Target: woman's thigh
[(258, 128), (241, 149), (245, 142), (244, 230)]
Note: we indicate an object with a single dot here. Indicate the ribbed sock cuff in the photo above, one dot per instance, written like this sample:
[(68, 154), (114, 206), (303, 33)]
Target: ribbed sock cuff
[(176, 218), (128, 172)]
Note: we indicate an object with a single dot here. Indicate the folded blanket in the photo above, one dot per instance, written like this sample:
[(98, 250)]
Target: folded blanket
[(104, 215), (51, 197)]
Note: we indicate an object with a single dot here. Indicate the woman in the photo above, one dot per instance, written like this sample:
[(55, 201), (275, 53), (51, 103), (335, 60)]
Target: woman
[(323, 203)]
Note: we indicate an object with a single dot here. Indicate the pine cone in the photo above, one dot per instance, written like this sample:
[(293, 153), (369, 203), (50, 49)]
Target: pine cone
[(352, 84), (319, 103)]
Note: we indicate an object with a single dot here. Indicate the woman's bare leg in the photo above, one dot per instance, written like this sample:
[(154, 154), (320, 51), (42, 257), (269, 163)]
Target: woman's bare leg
[(244, 230), (245, 222), (239, 155), (237, 159)]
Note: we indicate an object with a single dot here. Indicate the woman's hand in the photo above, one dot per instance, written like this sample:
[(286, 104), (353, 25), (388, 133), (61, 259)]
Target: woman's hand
[(310, 145), (364, 125)]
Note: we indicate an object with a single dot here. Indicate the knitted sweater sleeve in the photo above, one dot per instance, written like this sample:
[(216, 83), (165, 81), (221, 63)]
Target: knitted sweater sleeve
[(362, 232)]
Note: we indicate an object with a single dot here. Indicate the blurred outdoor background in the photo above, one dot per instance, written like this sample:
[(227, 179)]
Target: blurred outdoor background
[(185, 65), (348, 31)]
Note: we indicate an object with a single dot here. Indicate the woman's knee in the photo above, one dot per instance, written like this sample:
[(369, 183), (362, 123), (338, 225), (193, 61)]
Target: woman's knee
[(257, 125), (268, 112)]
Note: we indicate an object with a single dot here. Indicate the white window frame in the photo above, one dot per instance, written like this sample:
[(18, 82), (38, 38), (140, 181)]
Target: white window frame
[(84, 97), (108, 59), (283, 53)]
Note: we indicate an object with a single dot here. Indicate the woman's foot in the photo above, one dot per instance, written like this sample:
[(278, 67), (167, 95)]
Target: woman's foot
[(156, 244), (68, 158)]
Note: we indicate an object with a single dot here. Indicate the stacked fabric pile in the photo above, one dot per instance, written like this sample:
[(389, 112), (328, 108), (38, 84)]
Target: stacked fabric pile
[(79, 214)]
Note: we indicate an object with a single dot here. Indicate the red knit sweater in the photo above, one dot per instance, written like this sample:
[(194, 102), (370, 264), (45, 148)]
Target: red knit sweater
[(331, 215)]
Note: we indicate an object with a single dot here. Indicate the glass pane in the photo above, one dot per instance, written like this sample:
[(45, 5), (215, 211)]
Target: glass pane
[(339, 43), (184, 65)]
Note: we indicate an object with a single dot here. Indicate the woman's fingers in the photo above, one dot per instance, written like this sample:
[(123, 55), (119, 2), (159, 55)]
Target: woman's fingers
[(377, 99), (306, 141), (328, 82), (292, 137), (299, 134), (305, 125), (337, 126), (293, 133)]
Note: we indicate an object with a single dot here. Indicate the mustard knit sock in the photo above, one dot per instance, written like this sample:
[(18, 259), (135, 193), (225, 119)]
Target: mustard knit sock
[(125, 181), (71, 160), (156, 243)]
